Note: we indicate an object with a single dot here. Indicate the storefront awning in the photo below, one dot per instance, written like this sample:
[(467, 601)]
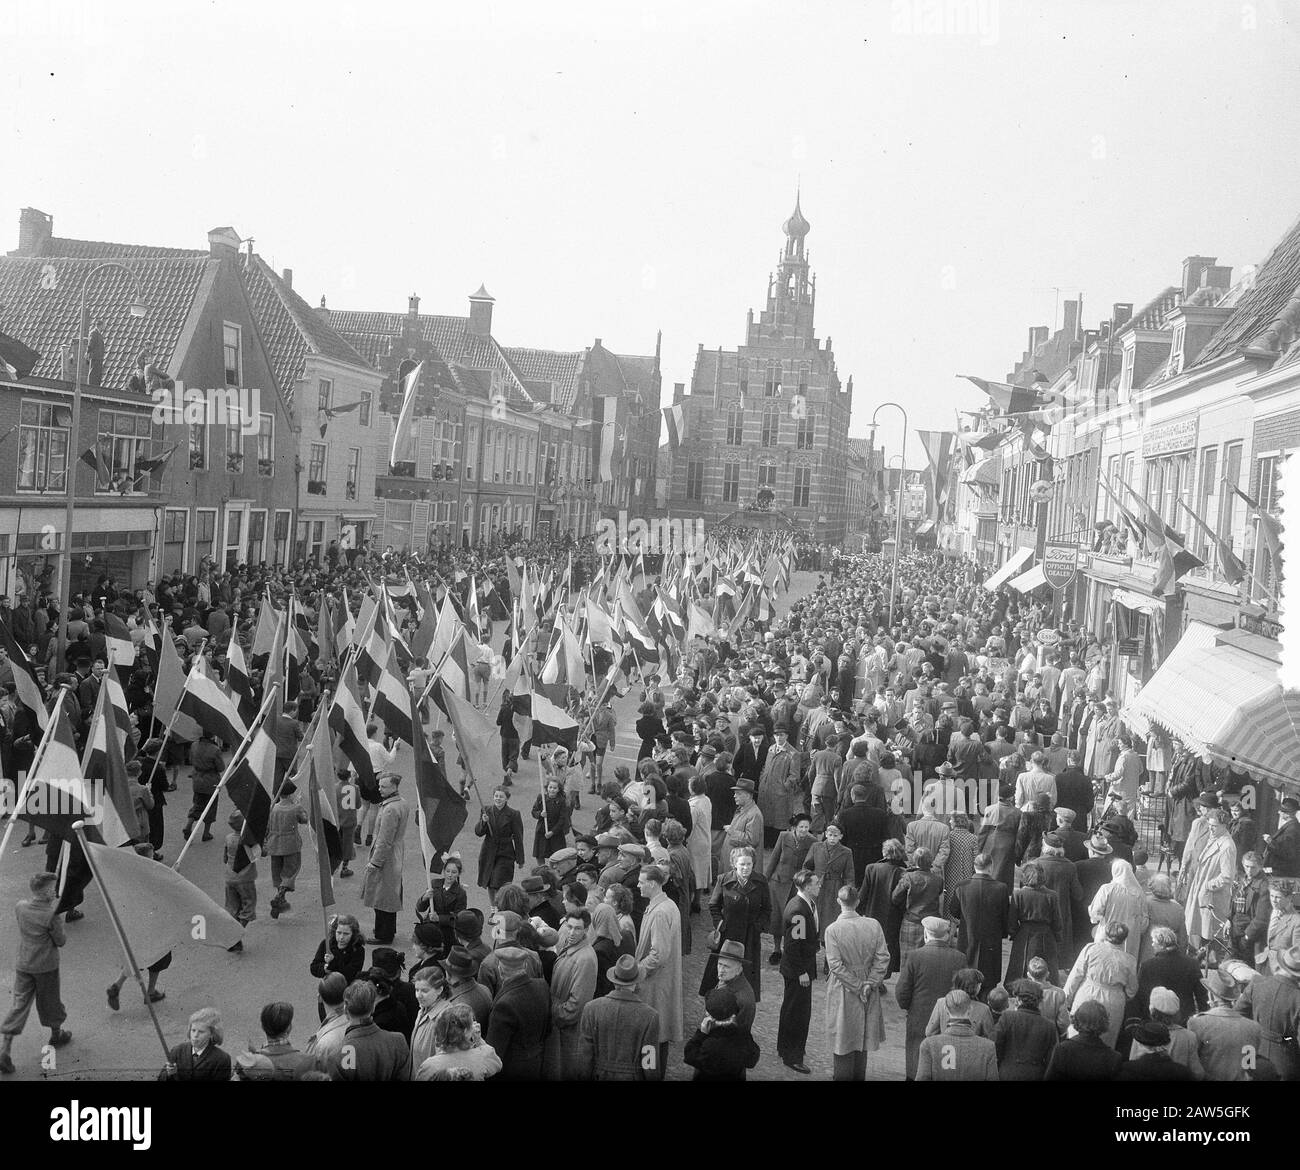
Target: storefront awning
[(924, 527), (1028, 582), (1139, 601), (984, 471), (1218, 691), (1014, 563)]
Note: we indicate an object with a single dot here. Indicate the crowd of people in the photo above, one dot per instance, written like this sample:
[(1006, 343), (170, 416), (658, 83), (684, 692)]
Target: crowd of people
[(889, 803)]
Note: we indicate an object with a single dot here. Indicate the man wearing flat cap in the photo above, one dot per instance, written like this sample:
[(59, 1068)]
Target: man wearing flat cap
[(924, 978)]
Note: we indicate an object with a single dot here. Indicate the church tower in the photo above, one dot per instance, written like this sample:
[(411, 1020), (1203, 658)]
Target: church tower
[(791, 295)]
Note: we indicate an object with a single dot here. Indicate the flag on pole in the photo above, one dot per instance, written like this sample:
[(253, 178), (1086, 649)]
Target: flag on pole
[(239, 683), (169, 689), (550, 724), (1269, 528), (404, 431), (316, 774), (117, 641), (441, 810), (393, 700), (1230, 565), (121, 715), (347, 720), (158, 908), (29, 688), (211, 708), (675, 421), (56, 793), (104, 770), (454, 670), (700, 625), (250, 781), (1008, 399), (264, 637)]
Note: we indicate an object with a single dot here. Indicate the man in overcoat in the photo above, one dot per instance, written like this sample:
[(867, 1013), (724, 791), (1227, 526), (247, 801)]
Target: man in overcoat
[(981, 905), (381, 887), (925, 978), (659, 955)]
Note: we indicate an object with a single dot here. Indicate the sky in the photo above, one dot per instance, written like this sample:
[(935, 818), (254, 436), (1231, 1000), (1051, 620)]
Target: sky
[(613, 170)]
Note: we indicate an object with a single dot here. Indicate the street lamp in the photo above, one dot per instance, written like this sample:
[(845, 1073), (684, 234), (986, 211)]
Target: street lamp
[(138, 309), (898, 525)]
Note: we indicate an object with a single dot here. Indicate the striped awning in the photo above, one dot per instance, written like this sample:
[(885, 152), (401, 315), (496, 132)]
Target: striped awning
[(1028, 582), (1218, 691), (985, 471), (1011, 566)]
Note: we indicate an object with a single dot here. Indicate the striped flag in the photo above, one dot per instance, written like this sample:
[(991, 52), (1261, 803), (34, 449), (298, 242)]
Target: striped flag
[(29, 688), (550, 724), (1008, 399), (56, 793), (239, 683), (347, 720), (441, 810), (393, 700), (675, 421), (268, 627), (454, 671), (700, 625), (422, 639), (117, 641), (564, 663), (250, 781), (105, 772), (316, 775), (373, 652), (169, 689), (211, 708), (121, 716)]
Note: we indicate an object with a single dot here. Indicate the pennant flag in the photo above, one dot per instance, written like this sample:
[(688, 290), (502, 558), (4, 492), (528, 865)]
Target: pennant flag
[(117, 641), (551, 725), (16, 360), (404, 432), (156, 464), (1230, 565), (1008, 399), (211, 708), (57, 796), (348, 721), (608, 438), (169, 689), (239, 682), (1175, 560), (29, 688), (92, 458), (1269, 528), (675, 420), (159, 909), (105, 772), (328, 414)]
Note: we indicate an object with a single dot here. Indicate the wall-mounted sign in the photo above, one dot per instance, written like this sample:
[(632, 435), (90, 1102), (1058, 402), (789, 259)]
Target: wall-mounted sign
[(1060, 563), (1173, 436)]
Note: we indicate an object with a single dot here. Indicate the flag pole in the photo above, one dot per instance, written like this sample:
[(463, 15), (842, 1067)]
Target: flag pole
[(79, 829), (238, 758), (21, 798)]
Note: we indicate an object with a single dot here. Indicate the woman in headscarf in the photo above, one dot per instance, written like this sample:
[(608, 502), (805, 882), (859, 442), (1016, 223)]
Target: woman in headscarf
[(1121, 899), (1107, 974), (997, 837), (1036, 926), (879, 880), (608, 942)]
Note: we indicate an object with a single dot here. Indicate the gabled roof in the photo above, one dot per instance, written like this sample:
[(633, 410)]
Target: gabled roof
[(102, 250), (41, 310), (290, 328), (1266, 315), (559, 368)]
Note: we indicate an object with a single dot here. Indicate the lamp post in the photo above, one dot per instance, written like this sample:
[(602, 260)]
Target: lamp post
[(898, 523), (138, 309)]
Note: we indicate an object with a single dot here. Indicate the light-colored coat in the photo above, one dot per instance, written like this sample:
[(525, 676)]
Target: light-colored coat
[(780, 794), (746, 829), (382, 888), (573, 984), (700, 842), (1211, 884), (857, 954), (659, 954)]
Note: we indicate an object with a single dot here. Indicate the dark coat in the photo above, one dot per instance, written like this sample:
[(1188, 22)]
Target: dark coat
[(349, 962), (1025, 1042), (1154, 1066), (742, 915), (648, 727), (1074, 843), (1074, 790), (982, 906), (213, 1065), (1181, 974), (557, 817), (999, 842), (798, 940), (503, 846), (374, 1054), (866, 829), (1282, 853), (1061, 877), (721, 1054), (924, 978), (876, 900), (747, 765), (1092, 874), (1035, 930), (518, 1027), (1083, 1059)]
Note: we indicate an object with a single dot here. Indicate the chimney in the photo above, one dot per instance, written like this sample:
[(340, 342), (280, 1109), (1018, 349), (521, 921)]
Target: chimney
[(597, 345), (480, 312), (323, 311), (223, 243), (413, 305), (1070, 322), (679, 391), (1193, 267), (1037, 335), (1120, 314), (287, 277), (35, 229)]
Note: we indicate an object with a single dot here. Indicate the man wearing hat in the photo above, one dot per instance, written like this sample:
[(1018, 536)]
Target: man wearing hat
[(1223, 1034), (1282, 849), (1073, 843), (780, 790), (619, 1032), (1273, 1002), (463, 987), (469, 935), (521, 1016), (1150, 1059), (924, 978), (747, 825)]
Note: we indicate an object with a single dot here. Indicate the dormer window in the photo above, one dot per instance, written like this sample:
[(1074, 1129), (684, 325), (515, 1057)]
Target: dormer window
[(1176, 348)]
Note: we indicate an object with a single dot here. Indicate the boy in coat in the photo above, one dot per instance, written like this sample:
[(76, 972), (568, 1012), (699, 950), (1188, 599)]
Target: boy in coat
[(719, 1050)]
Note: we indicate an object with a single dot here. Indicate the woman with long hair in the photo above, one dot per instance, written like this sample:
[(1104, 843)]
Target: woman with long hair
[(343, 951)]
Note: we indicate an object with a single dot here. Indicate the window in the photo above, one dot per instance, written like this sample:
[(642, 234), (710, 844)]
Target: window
[(695, 479), (772, 386), (510, 458), (42, 448), (805, 433), (316, 470), (1266, 478), (767, 475), (1206, 488), (531, 462), (1227, 497), (232, 351), (281, 537), (265, 444), (802, 486), (730, 483), (256, 537), (175, 529), (744, 384), (803, 380), (471, 452), (363, 411), (316, 546), (234, 530), (354, 472), (771, 427), (735, 426), (198, 447), (1155, 483), (234, 447), (205, 535), (124, 439), (325, 394)]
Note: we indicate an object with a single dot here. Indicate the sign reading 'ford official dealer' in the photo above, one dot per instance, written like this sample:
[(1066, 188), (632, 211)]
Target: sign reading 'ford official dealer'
[(1060, 563)]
